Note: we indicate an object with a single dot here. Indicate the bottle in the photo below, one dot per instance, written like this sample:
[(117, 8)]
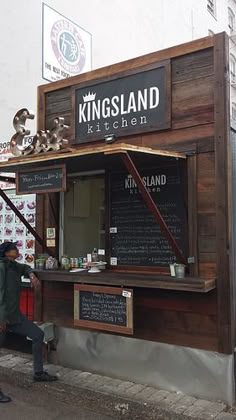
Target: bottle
[(65, 262), (95, 255)]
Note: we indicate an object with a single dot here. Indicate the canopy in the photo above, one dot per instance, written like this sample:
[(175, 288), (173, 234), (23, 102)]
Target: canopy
[(73, 156)]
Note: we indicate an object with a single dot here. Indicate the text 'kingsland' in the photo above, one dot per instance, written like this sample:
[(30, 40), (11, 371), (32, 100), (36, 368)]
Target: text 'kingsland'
[(142, 100)]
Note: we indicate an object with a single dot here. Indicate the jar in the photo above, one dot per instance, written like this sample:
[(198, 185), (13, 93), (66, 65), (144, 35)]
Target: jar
[(65, 262), (40, 264), (180, 271)]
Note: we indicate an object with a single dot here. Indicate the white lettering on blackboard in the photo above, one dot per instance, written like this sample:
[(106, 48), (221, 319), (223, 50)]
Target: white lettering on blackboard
[(27, 179), (149, 181), (92, 110), (121, 123)]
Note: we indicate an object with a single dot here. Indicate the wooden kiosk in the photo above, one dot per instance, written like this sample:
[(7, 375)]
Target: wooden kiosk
[(154, 134)]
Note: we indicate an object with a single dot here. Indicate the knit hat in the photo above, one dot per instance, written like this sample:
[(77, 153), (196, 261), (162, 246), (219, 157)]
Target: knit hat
[(7, 246)]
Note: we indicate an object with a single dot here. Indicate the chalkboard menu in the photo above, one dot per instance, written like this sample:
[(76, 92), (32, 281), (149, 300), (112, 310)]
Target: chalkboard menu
[(103, 308), (135, 235), (41, 180)]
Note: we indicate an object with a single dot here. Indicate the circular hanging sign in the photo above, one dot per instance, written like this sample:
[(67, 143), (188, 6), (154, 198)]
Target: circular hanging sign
[(68, 46)]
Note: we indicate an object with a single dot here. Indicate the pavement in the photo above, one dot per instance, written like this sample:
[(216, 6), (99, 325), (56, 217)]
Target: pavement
[(30, 405), (84, 395)]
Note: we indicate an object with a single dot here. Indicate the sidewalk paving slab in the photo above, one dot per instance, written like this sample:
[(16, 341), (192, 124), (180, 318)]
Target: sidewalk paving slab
[(173, 402), (226, 416), (205, 409), (183, 404)]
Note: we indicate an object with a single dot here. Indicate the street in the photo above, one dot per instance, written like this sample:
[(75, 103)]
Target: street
[(36, 402), (32, 404)]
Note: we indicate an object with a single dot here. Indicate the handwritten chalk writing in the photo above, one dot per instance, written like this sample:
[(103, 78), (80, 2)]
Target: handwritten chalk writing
[(102, 307), (40, 180), (139, 239)]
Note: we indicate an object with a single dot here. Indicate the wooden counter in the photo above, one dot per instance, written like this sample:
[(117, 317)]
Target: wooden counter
[(112, 278), (165, 309)]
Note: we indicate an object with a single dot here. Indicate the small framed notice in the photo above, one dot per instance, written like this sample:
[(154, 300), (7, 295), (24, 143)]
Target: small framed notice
[(51, 233), (41, 180), (51, 243), (103, 308)]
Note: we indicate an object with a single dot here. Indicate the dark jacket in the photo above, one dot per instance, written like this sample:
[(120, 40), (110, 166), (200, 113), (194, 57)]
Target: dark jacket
[(10, 285)]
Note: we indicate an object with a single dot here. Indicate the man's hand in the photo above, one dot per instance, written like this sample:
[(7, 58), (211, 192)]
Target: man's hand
[(35, 281), (3, 326)]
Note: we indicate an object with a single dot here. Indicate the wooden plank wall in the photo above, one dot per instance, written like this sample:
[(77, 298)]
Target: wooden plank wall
[(206, 212), (186, 319)]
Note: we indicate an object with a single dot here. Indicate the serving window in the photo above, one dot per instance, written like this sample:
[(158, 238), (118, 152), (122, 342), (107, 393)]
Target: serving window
[(83, 221), (119, 221)]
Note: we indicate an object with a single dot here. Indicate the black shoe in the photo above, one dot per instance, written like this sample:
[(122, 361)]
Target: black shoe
[(4, 398), (44, 377)]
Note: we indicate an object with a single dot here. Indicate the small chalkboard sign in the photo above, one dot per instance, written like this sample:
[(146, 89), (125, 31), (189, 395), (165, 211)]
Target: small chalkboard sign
[(103, 308), (41, 180)]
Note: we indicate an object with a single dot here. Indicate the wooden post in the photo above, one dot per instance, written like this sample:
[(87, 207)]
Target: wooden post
[(152, 206), (51, 218), (192, 214), (222, 131)]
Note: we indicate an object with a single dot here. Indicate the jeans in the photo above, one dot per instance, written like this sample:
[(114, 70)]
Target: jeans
[(29, 329)]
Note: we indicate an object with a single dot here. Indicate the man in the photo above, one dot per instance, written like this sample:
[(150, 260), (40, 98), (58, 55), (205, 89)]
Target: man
[(11, 318)]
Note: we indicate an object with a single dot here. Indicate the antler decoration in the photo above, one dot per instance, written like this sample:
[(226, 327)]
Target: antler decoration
[(43, 141)]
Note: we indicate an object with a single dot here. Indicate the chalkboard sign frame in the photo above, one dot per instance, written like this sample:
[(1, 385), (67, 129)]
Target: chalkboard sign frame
[(61, 168), (128, 329)]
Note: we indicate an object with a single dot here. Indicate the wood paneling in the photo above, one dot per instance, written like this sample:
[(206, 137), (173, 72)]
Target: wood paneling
[(208, 257), (192, 211), (207, 244), (188, 320), (222, 130), (207, 224), (58, 303), (192, 102), (192, 66), (206, 213), (59, 103), (207, 269), (39, 221), (199, 139), (192, 89), (206, 201)]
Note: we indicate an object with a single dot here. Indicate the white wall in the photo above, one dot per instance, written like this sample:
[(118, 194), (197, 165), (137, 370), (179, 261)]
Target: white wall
[(120, 30)]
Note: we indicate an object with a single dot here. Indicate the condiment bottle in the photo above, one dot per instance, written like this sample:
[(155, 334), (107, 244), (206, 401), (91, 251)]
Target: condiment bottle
[(65, 262), (95, 255)]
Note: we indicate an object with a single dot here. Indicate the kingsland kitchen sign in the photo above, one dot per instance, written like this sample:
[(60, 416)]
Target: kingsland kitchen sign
[(127, 105)]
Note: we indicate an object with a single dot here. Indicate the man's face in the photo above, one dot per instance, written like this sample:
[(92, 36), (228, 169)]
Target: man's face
[(13, 254)]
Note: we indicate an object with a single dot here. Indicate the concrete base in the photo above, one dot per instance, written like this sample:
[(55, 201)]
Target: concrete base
[(199, 373)]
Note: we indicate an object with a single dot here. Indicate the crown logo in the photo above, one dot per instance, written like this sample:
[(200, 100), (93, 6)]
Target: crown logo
[(89, 97)]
